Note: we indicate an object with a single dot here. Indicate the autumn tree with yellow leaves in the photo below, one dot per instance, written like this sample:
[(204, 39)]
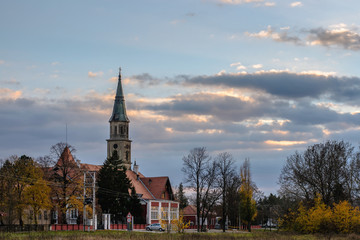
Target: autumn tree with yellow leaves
[(247, 203), (37, 197), (22, 185)]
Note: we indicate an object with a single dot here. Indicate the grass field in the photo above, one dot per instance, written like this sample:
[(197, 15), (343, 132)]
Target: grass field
[(120, 235)]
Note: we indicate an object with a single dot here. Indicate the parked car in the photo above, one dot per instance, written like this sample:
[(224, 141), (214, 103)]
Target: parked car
[(154, 227)]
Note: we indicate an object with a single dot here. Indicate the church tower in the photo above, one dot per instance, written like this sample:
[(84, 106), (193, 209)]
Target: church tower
[(119, 128)]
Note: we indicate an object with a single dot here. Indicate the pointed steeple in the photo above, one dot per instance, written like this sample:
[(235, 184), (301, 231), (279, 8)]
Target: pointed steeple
[(119, 110)]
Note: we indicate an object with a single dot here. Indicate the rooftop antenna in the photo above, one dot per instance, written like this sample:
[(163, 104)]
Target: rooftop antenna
[(66, 136)]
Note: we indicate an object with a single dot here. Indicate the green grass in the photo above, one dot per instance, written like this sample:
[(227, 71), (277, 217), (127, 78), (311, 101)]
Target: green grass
[(123, 235)]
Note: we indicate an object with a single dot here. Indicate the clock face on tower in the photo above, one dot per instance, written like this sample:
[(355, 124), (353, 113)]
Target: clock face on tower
[(115, 146)]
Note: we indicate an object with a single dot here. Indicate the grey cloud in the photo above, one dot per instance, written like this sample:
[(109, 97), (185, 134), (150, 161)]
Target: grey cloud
[(222, 107), (289, 85), (232, 109), (146, 79), (30, 127), (10, 82), (341, 37), (346, 39)]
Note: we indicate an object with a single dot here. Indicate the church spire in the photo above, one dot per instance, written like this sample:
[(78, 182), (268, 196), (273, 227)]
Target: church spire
[(119, 110)]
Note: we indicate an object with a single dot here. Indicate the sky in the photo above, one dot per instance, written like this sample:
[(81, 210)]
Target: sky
[(260, 79)]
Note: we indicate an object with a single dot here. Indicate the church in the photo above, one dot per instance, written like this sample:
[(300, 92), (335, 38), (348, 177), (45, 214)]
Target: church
[(155, 193)]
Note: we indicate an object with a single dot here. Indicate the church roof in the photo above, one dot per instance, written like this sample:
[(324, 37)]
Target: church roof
[(66, 157), (119, 110)]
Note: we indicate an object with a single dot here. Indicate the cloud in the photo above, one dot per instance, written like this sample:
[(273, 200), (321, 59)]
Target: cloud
[(276, 36), (334, 36), (11, 82), (258, 3), (41, 91), (284, 84), (2, 62), (6, 93), (296, 4), (145, 79), (269, 4), (113, 79), (238, 66), (257, 66), (238, 2), (95, 74)]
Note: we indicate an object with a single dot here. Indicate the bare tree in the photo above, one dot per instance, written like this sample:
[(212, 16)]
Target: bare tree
[(46, 162), (225, 164), (330, 169), (200, 173), (66, 176), (58, 149)]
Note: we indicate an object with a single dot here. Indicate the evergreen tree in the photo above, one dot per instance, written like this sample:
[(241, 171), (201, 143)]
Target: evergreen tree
[(180, 196), (113, 194), (135, 208)]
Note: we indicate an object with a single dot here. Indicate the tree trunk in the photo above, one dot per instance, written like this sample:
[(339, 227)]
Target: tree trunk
[(198, 208), (20, 217), (224, 207)]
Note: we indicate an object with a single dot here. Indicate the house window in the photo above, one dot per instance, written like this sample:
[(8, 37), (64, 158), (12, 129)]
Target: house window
[(73, 214), (45, 215), (115, 130), (154, 213), (40, 215), (55, 215), (164, 213), (173, 213), (163, 195)]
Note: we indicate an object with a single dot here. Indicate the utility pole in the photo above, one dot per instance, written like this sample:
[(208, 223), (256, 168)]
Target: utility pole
[(84, 210)]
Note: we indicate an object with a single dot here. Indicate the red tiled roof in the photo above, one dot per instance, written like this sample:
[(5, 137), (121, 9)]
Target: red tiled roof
[(189, 210), (140, 188), (90, 167), (66, 156), (156, 185)]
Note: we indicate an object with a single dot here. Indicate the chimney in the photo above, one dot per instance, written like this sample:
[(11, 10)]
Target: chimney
[(136, 168), (78, 162)]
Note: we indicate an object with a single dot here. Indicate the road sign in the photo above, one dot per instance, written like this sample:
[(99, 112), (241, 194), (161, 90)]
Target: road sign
[(128, 217)]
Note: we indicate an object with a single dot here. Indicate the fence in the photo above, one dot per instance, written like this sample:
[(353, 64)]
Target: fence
[(80, 227), (69, 227)]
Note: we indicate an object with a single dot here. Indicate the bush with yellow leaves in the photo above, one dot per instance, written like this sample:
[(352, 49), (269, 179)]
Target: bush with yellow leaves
[(341, 218)]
